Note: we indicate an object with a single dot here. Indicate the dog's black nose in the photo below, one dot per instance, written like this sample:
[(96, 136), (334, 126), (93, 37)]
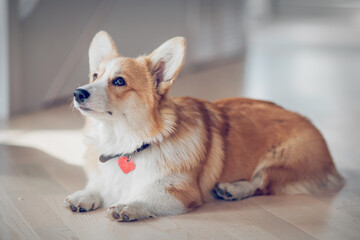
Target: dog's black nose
[(80, 95)]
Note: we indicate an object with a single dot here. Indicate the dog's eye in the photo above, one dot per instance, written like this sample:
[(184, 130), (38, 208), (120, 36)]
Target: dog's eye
[(95, 76), (119, 81)]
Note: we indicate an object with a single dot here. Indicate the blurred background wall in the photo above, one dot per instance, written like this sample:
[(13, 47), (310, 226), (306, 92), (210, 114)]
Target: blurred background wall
[(4, 61), (49, 39), (291, 51)]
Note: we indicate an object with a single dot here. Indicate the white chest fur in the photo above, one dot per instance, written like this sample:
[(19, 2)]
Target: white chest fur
[(128, 187), (148, 176), (112, 138), (115, 185)]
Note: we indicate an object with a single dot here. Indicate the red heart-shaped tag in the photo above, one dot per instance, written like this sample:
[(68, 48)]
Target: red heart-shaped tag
[(126, 164)]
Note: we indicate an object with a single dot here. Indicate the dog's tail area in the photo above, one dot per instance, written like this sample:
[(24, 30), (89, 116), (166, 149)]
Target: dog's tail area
[(329, 182)]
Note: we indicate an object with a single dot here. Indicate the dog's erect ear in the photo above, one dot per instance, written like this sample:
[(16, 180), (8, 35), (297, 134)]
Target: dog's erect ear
[(102, 46), (166, 62)]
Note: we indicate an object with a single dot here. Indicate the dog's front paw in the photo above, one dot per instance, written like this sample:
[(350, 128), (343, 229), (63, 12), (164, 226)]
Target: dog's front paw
[(128, 212), (83, 201)]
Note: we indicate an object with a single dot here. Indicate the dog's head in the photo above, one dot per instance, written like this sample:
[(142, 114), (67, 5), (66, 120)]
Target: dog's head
[(127, 88)]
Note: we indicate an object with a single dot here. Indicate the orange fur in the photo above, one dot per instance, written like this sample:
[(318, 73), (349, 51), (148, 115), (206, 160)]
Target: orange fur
[(253, 134)]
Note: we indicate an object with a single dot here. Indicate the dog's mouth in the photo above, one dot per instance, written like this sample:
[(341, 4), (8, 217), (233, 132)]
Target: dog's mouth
[(85, 109)]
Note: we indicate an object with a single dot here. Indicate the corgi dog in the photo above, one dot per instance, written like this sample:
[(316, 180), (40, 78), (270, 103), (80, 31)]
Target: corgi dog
[(150, 155)]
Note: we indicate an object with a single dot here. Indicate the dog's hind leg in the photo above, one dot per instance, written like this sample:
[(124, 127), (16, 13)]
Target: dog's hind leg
[(237, 190)]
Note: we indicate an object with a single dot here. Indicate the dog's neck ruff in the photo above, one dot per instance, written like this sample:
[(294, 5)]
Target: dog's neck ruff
[(104, 158)]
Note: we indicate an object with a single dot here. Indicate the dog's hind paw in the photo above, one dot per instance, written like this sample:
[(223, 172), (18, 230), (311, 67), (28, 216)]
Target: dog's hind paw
[(222, 193), (234, 191)]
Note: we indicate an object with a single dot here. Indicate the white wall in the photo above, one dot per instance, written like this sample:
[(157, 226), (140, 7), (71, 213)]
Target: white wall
[(4, 60), (49, 46)]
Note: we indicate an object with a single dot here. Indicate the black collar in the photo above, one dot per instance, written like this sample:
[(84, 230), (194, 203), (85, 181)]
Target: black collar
[(104, 158)]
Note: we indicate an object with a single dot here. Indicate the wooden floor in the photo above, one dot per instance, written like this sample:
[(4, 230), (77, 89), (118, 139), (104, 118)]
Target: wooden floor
[(33, 186), (40, 164)]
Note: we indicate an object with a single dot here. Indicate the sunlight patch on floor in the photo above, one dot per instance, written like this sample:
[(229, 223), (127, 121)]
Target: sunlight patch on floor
[(66, 145)]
